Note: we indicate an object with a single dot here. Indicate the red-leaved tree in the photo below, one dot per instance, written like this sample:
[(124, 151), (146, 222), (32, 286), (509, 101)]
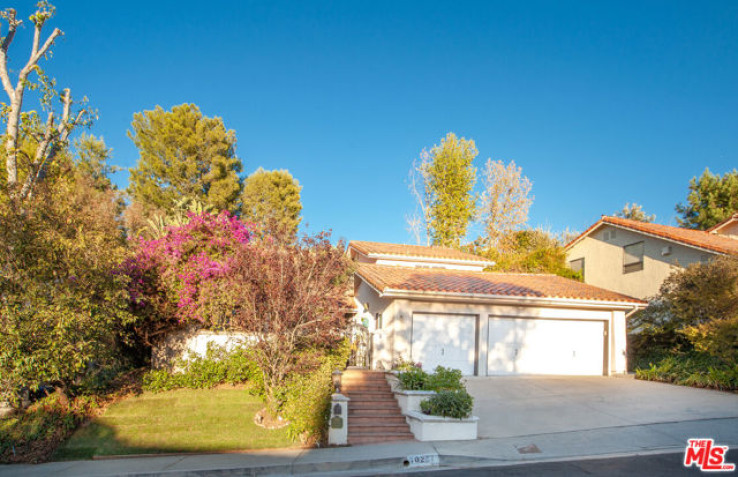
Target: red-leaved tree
[(292, 298)]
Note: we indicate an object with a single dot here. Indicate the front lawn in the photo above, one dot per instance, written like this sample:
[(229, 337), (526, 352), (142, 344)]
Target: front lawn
[(182, 420)]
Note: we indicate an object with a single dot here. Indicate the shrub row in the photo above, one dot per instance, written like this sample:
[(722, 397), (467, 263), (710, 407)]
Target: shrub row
[(691, 369), (218, 366)]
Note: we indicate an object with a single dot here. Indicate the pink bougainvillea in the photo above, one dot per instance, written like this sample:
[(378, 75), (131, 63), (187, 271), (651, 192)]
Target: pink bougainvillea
[(177, 273)]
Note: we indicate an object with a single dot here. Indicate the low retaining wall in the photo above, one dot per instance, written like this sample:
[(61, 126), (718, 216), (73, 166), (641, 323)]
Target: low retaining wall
[(437, 428)]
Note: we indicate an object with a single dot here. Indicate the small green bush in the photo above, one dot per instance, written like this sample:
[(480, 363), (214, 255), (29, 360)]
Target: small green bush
[(691, 369), (414, 379), (403, 365), (444, 379), (456, 404), (218, 366)]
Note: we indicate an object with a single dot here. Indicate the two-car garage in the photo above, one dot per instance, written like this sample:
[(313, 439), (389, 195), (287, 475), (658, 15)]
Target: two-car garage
[(488, 323), (509, 345)]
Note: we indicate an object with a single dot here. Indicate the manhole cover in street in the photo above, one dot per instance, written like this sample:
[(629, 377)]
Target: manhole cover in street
[(529, 449)]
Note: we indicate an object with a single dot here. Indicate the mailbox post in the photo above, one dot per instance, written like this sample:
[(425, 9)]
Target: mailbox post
[(338, 423)]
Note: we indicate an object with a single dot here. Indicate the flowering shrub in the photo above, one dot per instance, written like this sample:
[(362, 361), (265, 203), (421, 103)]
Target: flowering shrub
[(175, 279)]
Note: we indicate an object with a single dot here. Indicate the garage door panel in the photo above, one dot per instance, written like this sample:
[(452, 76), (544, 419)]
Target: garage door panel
[(445, 340), (541, 346)]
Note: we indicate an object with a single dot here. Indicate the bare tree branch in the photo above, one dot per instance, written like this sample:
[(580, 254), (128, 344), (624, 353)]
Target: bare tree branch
[(12, 26)]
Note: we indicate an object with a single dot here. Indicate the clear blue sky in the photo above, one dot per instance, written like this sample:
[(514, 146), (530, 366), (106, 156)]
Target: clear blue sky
[(601, 103)]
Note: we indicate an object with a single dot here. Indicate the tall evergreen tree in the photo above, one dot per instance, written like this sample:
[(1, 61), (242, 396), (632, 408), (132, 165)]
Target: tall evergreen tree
[(272, 198), (449, 176), (712, 198), (184, 154)]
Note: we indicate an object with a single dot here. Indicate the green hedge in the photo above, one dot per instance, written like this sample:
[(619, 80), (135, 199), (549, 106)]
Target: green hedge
[(218, 366), (691, 369), (307, 397)]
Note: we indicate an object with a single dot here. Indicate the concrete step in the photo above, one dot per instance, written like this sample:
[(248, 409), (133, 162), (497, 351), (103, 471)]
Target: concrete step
[(376, 420), (372, 392), (374, 413), (372, 405), (378, 429), (375, 439), (358, 398), (347, 381)]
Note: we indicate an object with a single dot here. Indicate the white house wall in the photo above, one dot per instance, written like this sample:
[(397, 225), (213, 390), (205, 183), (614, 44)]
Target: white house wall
[(370, 303), (403, 309), (603, 261)]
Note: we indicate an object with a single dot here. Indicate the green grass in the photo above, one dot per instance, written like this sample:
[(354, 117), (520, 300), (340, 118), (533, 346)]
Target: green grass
[(183, 420)]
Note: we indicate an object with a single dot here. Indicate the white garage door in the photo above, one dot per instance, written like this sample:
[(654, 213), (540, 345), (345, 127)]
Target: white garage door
[(445, 340), (538, 346)]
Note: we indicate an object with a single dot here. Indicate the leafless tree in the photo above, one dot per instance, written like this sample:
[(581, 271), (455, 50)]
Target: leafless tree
[(505, 201), (54, 134), (417, 222)]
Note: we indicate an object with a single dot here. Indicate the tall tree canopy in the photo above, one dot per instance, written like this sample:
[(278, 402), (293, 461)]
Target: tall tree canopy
[(635, 212), (92, 161), (272, 198), (505, 201), (184, 154), (712, 198), (446, 199)]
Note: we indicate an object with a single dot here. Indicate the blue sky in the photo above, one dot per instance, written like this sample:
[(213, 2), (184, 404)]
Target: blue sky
[(601, 103)]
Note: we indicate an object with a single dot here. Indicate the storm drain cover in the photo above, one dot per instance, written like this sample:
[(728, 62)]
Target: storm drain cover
[(529, 449)]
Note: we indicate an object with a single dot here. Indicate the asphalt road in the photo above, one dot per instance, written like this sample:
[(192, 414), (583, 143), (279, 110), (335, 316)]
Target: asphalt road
[(665, 465)]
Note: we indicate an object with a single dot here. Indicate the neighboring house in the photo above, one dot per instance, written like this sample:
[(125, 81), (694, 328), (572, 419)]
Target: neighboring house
[(727, 228), (436, 306), (634, 258)]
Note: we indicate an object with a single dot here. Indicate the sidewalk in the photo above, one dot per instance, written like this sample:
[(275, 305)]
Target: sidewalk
[(391, 457)]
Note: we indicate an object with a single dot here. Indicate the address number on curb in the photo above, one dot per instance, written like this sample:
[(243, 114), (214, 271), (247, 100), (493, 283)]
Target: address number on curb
[(422, 460)]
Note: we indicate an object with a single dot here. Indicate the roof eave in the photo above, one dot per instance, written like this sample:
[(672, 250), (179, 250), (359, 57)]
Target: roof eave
[(601, 223), (512, 300), (417, 258)]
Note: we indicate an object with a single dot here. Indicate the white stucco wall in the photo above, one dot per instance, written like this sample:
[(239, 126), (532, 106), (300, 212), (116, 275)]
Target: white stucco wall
[(184, 344), (369, 303), (603, 261)]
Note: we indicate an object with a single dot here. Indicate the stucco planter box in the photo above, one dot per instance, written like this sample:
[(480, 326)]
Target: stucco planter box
[(410, 400), (437, 428)]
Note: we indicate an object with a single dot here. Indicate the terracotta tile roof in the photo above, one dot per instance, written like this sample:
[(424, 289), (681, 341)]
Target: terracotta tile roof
[(443, 253), (695, 238), (385, 278)]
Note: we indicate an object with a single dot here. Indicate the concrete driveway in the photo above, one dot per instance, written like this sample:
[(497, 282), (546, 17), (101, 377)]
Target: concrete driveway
[(519, 406)]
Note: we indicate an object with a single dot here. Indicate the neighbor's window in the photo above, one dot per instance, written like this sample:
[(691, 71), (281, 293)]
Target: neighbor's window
[(633, 257), (378, 316), (577, 265)]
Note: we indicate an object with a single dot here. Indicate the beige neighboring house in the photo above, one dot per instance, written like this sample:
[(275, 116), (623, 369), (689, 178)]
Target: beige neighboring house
[(634, 258), (437, 306)]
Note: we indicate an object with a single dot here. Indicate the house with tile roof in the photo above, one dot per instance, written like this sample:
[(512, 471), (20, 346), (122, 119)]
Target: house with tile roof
[(438, 306), (634, 258)]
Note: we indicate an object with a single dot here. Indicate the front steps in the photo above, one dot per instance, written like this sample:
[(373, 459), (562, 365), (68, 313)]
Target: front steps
[(373, 413)]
